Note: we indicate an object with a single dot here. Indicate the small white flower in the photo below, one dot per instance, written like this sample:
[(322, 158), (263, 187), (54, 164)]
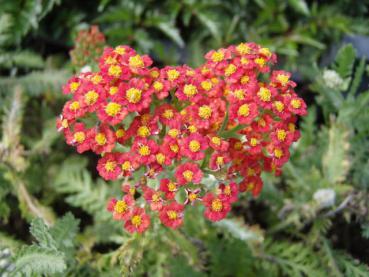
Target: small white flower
[(332, 79), (86, 69), (325, 197)]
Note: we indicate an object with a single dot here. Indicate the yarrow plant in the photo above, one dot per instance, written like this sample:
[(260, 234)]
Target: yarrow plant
[(231, 118)]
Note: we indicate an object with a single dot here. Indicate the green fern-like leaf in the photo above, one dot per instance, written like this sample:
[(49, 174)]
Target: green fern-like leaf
[(36, 83), (345, 60), (40, 231), (36, 261), (24, 59), (293, 259), (64, 231), (350, 266)]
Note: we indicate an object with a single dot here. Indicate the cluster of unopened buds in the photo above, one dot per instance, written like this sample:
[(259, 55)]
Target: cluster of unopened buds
[(228, 120), (89, 45)]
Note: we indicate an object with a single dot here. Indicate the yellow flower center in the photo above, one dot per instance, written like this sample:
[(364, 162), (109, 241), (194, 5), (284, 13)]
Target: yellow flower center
[(245, 79), (91, 97), (205, 112), (112, 109), (74, 86), (279, 106), (206, 85), (217, 56), (239, 94), (64, 123), (110, 60), (173, 133), (110, 166), (100, 139), (168, 114), (172, 186), (172, 74), (74, 106), (114, 70), (278, 153), (261, 122), (243, 49), (190, 72), (174, 148), (238, 145), (244, 60), (136, 61), (190, 90), (79, 137), (133, 95), (155, 74), (143, 131), (254, 142), (126, 166), (291, 127), (230, 69), (136, 220), (113, 90), (188, 175), (172, 215), (144, 150), (120, 133), (250, 172), (120, 207), (265, 51), (227, 190), (96, 79), (120, 50), (264, 94), (192, 196), (244, 110), (283, 79), (158, 86), (160, 158), (260, 61), (205, 70), (296, 103), (216, 205), (192, 128), (194, 146), (220, 160), (216, 140), (281, 134), (155, 197)]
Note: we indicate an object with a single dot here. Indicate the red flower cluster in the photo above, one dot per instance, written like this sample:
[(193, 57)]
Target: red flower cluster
[(231, 117)]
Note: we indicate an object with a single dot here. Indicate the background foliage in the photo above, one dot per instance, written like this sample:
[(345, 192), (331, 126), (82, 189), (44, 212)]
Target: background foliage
[(311, 221)]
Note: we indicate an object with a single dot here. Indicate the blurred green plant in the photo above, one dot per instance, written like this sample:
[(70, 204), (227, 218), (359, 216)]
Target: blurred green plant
[(291, 230)]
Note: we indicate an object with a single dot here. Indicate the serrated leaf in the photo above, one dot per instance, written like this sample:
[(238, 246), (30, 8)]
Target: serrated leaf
[(40, 231), (64, 231), (345, 60), (35, 260)]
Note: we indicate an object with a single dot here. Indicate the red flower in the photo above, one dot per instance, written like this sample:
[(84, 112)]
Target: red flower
[(172, 215), (122, 208), (153, 197), (145, 150), (135, 96), (169, 188), (229, 192), (218, 160), (217, 207), (108, 166), (78, 138), (193, 146), (188, 173), (138, 222), (192, 196), (244, 112), (102, 139)]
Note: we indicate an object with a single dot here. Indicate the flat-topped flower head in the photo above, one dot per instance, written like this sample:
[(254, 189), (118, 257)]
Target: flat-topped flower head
[(165, 130)]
